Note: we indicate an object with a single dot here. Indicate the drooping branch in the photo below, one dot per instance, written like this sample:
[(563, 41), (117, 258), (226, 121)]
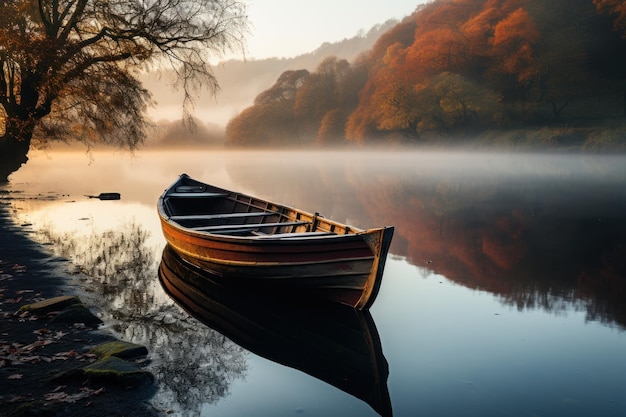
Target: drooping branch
[(67, 66)]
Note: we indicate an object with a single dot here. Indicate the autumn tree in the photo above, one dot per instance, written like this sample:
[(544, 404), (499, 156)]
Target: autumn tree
[(69, 67), (332, 128), (271, 119), (461, 103), (386, 99), (302, 107), (328, 95), (253, 126), (320, 93), (513, 50), (399, 106)]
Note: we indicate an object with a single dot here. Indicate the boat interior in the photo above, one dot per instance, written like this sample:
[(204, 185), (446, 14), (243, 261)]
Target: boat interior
[(216, 211)]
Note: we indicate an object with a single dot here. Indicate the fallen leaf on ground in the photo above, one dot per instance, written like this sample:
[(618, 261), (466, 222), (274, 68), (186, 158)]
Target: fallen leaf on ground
[(29, 359), (55, 396), (36, 344), (18, 398), (64, 397), (60, 334), (93, 391)]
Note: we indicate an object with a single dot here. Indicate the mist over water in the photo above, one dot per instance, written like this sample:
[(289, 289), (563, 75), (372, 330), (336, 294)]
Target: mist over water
[(503, 293)]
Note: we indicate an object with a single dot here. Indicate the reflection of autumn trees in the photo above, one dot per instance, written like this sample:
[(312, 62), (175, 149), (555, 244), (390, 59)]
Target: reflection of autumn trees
[(616, 9), (548, 240), (194, 364), (533, 246), (607, 278), (457, 68)]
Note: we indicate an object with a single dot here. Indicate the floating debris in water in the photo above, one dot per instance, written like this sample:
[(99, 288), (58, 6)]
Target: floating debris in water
[(106, 196)]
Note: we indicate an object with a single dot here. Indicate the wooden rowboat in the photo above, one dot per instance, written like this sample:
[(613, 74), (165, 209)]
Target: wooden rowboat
[(329, 341), (257, 244)]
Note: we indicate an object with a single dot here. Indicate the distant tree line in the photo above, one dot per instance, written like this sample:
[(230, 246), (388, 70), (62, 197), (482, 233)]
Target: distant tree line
[(454, 69), (302, 105)]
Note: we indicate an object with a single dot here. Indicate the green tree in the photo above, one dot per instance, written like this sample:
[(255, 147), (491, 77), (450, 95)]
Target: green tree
[(460, 103), (69, 67), (400, 107)]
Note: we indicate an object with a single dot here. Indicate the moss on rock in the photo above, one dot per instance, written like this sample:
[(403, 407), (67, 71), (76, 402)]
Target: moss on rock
[(77, 313), (51, 304), (116, 370), (119, 349)]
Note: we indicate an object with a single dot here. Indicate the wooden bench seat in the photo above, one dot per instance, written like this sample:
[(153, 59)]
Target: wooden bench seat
[(196, 195), (222, 215), (236, 228), (295, 235)]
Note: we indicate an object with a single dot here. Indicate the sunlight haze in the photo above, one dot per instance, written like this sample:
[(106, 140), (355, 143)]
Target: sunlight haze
[(287, 28)]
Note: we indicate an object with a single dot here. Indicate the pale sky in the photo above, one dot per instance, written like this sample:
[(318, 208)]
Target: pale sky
[(287, 28)]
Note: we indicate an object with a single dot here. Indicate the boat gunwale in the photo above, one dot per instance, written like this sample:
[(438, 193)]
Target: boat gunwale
[(353, 232)]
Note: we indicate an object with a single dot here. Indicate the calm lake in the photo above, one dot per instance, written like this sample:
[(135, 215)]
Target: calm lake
[(504, 293)]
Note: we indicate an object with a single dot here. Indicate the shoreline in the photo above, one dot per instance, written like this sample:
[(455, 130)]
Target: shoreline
[(34, 350)]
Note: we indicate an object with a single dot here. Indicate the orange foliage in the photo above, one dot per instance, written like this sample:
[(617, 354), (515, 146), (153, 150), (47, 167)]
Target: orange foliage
[(442, 49), (446, 13), (479, 28), (513, 41), (402, 34), (456, 67), (464, 37)]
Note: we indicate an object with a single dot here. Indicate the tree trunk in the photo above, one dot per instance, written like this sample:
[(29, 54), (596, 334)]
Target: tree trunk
[(14, 145), (13, 153)]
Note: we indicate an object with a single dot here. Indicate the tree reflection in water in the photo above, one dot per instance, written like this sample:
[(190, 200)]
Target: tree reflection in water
[(538, 231), (193, 364)]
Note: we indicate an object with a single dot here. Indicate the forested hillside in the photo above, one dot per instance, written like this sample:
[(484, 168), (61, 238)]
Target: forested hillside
[(456, 70), (240, 81)]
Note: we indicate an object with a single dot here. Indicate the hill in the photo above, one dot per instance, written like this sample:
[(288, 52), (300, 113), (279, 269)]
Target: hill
[(240, 81), (502, 71)]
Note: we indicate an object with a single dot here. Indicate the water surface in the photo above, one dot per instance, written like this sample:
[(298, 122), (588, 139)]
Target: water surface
[(504, 293)]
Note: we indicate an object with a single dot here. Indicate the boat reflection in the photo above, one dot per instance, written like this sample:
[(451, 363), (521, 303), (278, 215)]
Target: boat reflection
[(331, 342)]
